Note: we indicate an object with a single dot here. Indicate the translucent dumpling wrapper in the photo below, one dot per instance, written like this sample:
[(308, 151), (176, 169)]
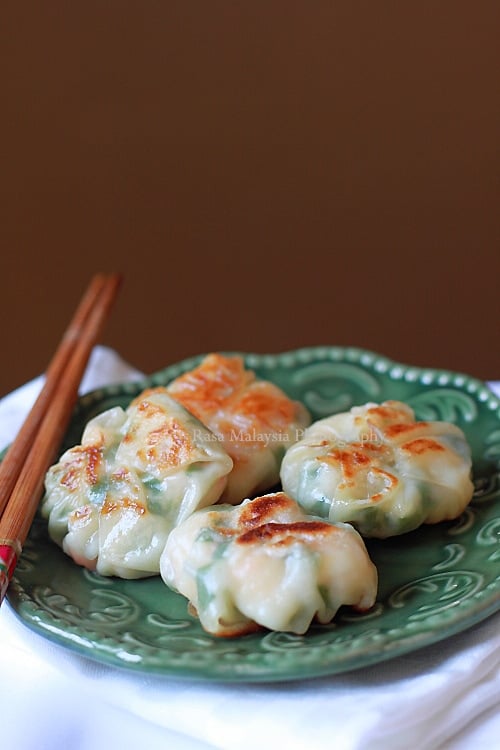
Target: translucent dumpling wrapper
[(379, 469), (112, 501), (265, 563), (253, 419)]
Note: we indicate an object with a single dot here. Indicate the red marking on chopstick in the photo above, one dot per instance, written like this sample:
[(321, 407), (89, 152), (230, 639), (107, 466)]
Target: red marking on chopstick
[(8, 562)]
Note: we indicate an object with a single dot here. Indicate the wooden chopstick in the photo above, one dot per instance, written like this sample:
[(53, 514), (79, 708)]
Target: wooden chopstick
[(35, 447), (19, 449)]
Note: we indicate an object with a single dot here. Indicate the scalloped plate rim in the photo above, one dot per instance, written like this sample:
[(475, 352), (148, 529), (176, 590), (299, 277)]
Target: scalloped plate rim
[(386, 647)]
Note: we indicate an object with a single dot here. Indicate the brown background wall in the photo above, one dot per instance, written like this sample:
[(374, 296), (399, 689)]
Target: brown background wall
[(266, 175)]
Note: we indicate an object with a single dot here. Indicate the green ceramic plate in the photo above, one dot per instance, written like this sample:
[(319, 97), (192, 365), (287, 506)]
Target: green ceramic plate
[(434, 582)]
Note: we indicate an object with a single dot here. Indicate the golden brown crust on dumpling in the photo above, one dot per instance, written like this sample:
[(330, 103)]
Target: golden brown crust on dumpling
[(255, 420), (112, 501), (206, 388), (402, 473), (266, 563)]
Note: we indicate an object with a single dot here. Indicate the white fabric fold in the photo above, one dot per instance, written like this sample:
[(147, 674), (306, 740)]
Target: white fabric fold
[(443, 696)]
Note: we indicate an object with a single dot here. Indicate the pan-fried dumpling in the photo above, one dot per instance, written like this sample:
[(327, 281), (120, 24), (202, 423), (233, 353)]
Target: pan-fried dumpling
[(254, 420), (266, 563), (112, 501), (379, 469)]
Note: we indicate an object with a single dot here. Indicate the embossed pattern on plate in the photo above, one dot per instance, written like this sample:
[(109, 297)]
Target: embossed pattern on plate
[(434, 582)]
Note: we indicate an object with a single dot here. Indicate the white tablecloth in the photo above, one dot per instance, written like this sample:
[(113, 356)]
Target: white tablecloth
[(444, 696)]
